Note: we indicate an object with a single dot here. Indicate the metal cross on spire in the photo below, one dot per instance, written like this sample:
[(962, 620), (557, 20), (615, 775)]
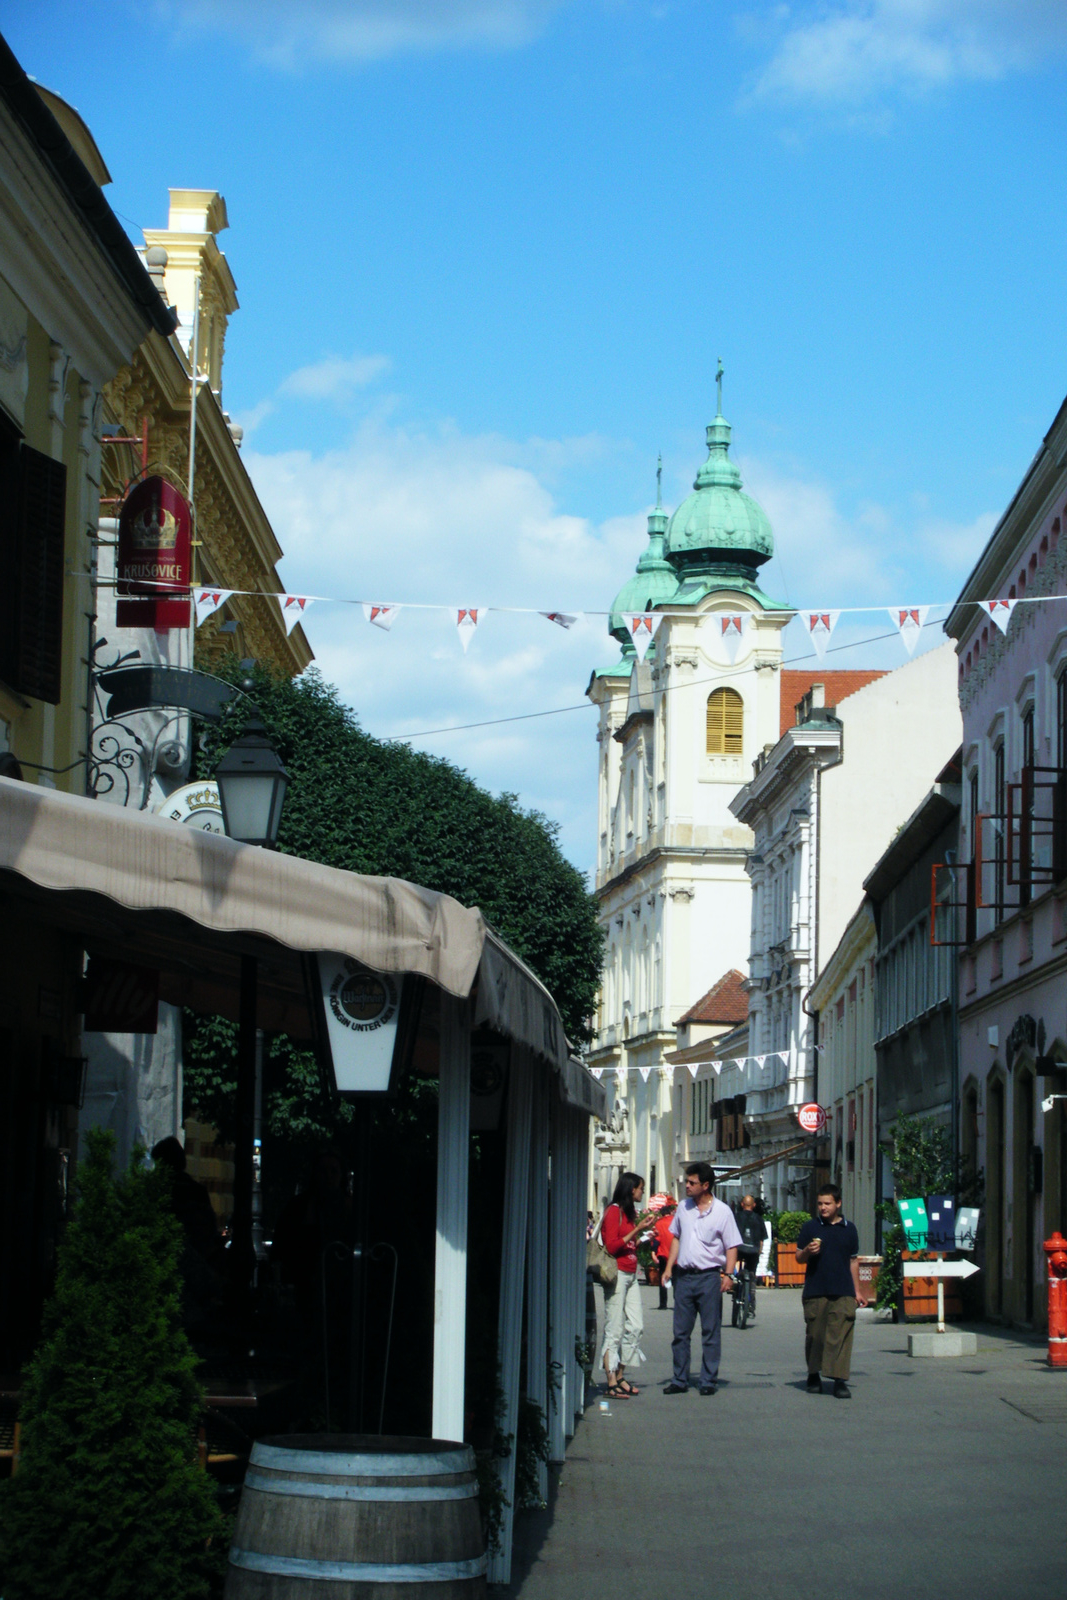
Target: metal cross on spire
[(718, 385), (659, 484)]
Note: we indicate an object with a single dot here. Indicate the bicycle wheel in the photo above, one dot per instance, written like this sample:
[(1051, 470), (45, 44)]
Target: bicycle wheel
[(735, 1316), (741, 1307)]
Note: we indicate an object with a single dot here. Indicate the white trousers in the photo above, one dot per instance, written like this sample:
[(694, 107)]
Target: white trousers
[(623, 1323)]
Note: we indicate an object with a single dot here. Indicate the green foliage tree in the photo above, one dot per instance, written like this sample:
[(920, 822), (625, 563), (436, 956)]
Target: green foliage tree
[(109, 1500)]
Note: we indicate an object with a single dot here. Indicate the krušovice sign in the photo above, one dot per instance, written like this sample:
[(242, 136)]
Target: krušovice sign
[(154, 558)]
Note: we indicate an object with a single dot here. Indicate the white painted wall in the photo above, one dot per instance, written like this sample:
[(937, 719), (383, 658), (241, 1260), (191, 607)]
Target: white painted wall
[(898, 733)]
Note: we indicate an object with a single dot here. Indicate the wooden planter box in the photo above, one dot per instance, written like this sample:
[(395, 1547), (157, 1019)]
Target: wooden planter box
[(870, 1266), (920, 1294), (789, 1273)]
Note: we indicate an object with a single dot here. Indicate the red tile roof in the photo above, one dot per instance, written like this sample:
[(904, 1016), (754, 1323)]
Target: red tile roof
[(725, 1001), (838, 685)]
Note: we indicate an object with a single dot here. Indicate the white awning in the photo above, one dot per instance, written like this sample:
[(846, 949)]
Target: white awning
[(192, 895)]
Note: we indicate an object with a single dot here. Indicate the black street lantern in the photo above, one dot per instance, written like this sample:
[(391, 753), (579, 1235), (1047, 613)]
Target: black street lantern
[(252, 784)]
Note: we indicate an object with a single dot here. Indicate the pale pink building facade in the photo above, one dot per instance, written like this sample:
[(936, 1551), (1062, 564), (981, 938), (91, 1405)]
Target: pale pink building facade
[(1013, 949)]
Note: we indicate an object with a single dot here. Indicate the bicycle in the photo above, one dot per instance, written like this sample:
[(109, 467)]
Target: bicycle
[(744, 1296)]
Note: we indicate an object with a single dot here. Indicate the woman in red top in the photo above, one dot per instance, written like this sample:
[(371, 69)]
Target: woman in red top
[(623, 1322)]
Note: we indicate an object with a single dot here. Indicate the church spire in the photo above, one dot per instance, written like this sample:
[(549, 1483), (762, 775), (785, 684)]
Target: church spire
[(654, 558)]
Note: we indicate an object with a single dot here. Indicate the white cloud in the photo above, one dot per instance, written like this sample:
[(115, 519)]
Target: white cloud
[(853, 52), (443, 518), (290, 35), (335, 377)]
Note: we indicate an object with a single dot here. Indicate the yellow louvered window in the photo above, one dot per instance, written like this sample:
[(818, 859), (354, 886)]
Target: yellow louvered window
[(725, 723)]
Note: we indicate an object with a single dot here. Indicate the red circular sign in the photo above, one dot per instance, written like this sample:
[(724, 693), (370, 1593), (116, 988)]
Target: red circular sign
[(812, 1117)]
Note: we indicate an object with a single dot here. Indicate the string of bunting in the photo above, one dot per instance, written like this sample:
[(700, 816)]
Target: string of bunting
[(729, 628), (741, 1063)]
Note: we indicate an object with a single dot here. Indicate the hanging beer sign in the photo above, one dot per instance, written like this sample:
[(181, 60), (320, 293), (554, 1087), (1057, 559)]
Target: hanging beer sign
[(154, 558)]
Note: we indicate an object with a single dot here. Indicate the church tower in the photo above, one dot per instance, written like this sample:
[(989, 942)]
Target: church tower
[(678, 733)]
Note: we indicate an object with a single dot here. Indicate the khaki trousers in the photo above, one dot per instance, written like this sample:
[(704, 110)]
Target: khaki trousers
[(829, 1323)]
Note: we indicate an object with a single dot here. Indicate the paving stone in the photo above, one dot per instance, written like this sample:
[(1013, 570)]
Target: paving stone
[(937, 1485)]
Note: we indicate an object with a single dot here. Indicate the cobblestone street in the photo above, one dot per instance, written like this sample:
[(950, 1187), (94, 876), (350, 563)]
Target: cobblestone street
[(937, 1478)]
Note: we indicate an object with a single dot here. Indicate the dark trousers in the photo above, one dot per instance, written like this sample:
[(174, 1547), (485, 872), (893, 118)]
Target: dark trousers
[(661, 1262), (697, 1292), (829, 1323)]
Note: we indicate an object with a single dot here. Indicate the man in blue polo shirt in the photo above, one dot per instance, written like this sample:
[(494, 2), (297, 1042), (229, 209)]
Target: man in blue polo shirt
[(702, 1256), (829, 1248)]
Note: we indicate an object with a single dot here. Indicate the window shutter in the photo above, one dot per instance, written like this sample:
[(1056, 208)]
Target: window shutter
[(725, 723), (39, 577)]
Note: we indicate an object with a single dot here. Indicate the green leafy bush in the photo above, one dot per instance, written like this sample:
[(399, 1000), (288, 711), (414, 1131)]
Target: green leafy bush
[(789, 1225), (109, 1501)]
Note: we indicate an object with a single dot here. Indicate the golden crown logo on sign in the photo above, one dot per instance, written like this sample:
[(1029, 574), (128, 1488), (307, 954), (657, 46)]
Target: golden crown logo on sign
[(154, 529)]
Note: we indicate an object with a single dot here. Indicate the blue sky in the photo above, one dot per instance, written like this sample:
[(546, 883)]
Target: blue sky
[(488, 251)]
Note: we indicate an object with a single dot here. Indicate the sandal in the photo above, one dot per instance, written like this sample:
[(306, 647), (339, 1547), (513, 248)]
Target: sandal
[(627, 1388)]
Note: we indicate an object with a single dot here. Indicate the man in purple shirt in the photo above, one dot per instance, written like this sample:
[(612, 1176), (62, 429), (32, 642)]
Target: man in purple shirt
[(702, 1259)]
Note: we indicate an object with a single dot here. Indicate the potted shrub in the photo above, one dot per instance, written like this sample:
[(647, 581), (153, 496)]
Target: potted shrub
[(789, 1273), (648, 1263)]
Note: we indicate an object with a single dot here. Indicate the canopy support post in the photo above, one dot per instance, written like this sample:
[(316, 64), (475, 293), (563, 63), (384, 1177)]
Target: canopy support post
[(537, 1257), (450, 1262), (244, 1256), (512, 1276), (559, 1319)]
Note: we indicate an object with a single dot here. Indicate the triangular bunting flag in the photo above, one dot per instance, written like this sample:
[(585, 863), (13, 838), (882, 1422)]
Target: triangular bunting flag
[(598, 1072), (717, 1065), (820, 625), (563, 619), (759, 1060), (1000, 611), (641, 626), (381, 616), (293, 608), (694, 1068), (467, 620), (644, 1071), (730, 633), (909, 619), (207, 601)]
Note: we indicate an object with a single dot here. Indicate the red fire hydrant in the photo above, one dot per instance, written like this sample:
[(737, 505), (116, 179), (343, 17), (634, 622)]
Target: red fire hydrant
[(1056, 1251)]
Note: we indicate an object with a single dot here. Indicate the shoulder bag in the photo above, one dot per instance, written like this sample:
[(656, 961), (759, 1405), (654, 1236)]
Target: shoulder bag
[(602, 1265)]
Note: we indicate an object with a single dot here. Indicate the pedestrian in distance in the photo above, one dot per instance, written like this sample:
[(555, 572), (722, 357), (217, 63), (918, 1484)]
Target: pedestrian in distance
[(663, 1237), (828, 1247), (753, 1231), (701, 1263), (623, 1320)]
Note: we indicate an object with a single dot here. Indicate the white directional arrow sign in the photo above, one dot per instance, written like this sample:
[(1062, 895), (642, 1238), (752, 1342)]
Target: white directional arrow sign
[(940, 1269)]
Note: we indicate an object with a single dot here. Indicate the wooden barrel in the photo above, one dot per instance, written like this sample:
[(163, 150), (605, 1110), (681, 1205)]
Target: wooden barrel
[(355, 1516)]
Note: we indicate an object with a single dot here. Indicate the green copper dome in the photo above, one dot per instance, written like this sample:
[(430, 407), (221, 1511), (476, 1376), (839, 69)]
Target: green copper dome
[(654, 582), (719, 529)]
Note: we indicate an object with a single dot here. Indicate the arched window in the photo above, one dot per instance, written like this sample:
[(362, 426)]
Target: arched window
[(725, 722)]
